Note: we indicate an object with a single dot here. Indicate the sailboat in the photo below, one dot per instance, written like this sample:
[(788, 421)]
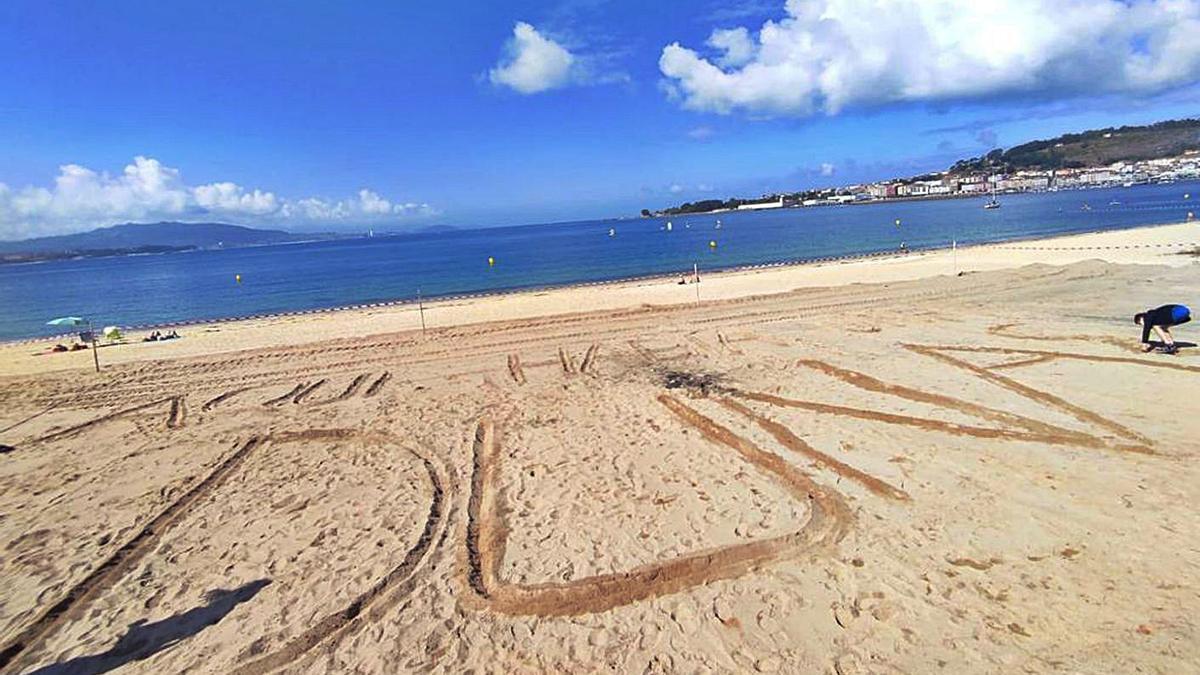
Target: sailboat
[(718, 223), (612, 231), (992, 203), (668, 226)]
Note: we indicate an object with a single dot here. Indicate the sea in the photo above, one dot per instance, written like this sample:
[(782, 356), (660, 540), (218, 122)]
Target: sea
[(192, 286)]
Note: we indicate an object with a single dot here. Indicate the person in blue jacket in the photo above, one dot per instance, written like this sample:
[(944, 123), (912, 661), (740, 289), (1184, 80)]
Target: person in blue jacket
[(1161, 319)]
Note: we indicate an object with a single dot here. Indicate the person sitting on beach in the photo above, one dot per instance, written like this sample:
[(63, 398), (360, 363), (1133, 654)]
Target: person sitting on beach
[(1161, 319)]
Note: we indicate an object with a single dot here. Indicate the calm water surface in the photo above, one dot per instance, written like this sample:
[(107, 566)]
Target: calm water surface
[(198, 285)]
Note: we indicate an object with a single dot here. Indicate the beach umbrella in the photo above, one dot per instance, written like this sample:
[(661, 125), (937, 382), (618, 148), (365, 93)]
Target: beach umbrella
[(77, 321), (67, 321)]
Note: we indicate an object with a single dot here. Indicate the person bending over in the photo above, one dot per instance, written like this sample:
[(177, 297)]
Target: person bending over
[(1161, 319)]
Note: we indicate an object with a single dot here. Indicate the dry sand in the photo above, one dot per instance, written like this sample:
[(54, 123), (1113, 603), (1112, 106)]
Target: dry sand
[(805, 473)]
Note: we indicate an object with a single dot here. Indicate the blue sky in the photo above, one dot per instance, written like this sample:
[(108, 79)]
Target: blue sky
[(399, 114)]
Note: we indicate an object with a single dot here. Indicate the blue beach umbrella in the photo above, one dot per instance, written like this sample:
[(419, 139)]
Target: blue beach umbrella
[(67, 321), (77, 321)]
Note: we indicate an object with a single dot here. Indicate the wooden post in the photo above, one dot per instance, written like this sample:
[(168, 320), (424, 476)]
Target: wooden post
[(421, 308), (696, 278), (95, 356)]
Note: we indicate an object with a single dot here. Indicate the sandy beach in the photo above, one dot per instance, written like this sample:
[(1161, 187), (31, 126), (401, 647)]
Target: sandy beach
[(952, 461)]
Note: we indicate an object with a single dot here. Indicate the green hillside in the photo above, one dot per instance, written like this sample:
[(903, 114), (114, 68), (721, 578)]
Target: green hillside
[(1098, 147)]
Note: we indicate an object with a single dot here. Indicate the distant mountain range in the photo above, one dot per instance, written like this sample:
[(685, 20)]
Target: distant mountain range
[(147, 238)]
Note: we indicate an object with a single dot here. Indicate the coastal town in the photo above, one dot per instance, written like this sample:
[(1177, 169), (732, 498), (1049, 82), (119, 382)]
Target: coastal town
[(952, 183)]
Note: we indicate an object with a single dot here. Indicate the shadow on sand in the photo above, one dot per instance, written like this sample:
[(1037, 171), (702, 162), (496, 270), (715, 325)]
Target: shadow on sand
[(1157, 346), (144, 640)]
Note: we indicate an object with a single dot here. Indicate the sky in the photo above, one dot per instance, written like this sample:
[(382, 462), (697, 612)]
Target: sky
[(343, 116)]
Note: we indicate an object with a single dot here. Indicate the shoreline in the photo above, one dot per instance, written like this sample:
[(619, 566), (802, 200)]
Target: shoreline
[(1154, 245), (918, 198), (432, 301)]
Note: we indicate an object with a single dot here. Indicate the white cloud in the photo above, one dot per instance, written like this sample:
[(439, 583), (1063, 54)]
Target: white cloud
[(827, 55), (532, 62), (736, 44), (676, 188), (701, 133), (233, 198), (81, 198), (827, 169)]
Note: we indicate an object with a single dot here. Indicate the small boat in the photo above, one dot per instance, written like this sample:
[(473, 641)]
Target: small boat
[(992, 203), (1114, 203), (718, 224), (612, 231), (668, 226), (1085, 207)]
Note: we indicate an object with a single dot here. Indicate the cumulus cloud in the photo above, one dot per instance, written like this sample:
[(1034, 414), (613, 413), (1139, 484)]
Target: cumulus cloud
[(827, 169), (827, 55), (81, 198), (532, 62), (736, 45), (233, 198)]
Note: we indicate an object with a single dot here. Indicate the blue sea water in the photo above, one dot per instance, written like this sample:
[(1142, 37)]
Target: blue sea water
[(200, 285)]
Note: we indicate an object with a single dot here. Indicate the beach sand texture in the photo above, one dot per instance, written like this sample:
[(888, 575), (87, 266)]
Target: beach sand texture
[(977, 473)]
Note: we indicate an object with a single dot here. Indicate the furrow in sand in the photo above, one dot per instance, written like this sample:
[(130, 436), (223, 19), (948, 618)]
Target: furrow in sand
[(515, 369), (567, 361), (351, 389), (798, 445), (487, 533), (383, 595), (1079, 413), (178, 413), (221, 398), (589, 359), (117, 565), (1065, 438), (377, 384), (307, 391), (868, 383), (278, 400), (71, 431)]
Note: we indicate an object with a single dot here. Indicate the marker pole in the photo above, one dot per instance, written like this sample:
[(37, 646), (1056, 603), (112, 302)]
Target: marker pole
[(421, 308), (95, 356)]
